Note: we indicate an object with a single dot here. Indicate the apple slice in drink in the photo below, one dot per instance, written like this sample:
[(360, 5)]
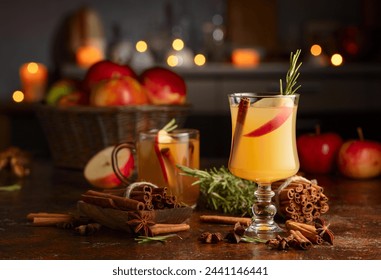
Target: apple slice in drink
[(285, 106), (163, 153), (99, 172)]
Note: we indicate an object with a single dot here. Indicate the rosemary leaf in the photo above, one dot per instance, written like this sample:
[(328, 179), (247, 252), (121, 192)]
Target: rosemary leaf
[(222, 191), (292, 75), (160, 238)]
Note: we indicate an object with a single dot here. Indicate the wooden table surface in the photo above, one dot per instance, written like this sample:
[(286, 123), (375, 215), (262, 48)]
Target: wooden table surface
[(354, 215)]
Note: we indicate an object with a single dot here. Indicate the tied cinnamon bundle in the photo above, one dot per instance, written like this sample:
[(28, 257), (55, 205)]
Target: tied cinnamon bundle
[(142, 197), (299, 199)]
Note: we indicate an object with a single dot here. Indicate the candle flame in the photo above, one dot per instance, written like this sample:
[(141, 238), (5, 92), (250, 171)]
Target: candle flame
[(32, 67)]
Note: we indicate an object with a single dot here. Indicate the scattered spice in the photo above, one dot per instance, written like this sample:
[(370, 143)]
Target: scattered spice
[(210, 238), (323, 231), (236, 234), (15, 159), (88, 229), (280, 243)]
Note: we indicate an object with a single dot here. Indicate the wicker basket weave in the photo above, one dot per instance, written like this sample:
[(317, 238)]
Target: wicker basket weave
[(76, 133)]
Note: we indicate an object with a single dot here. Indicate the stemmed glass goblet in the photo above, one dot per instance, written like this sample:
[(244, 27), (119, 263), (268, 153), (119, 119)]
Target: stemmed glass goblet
[(263, 149)]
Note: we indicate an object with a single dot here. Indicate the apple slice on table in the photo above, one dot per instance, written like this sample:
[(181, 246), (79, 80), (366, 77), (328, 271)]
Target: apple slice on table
[(285, 106), (99, 172), (163, 153)]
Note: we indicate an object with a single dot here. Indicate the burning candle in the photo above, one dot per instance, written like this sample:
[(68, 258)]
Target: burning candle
[(33, 80)]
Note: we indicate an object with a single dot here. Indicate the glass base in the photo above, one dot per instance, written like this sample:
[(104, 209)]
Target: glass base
[(264, 231)]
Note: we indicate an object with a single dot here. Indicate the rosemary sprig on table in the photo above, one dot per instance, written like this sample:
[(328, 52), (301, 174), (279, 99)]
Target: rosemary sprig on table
[(292, 75), (223, 191), (160, 238)]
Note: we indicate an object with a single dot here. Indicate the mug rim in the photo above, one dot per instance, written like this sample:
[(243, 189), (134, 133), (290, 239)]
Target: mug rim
[(178, 132), (262, 95)]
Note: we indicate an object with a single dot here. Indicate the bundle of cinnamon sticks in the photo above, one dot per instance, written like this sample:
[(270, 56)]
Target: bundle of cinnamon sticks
[(143, 197), (300, 199)]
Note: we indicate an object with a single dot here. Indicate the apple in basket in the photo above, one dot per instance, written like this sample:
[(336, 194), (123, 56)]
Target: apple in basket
[(65, 92), (99, 172), (104, 70), (117, 92), (163, 86)]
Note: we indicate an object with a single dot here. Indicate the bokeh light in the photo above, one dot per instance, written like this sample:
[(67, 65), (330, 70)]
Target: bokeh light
[(336, 59), (141, 46), (316, 50), (199, 59), (178, 44), (172, 60), (18, 96)]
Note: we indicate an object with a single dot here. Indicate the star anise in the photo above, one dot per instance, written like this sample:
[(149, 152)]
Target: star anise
[(280, 243), (323, 230), (235, 235), (140, 222), (207, 237)]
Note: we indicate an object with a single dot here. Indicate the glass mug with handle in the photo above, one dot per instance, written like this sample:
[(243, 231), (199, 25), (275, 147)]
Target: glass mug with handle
[(158, 156)]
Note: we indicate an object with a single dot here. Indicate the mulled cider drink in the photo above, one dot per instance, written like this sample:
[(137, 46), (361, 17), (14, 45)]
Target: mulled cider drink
[(158, 154), (266, 152)]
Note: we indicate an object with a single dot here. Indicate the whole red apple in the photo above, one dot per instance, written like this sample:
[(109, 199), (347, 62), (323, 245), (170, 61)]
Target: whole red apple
[(318, 152), (104, 70), (163, 86), (118, 91), (360, 159)]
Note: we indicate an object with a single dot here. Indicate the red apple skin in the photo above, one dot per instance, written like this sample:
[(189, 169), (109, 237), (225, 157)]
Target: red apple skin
[(164, 87), (360, 159), (318, 152), (272, 124), (112, 181), (118, 92), (104, 70)]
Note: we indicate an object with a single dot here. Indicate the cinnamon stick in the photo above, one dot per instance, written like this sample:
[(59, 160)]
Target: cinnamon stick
[(50, 221), (31, 216), (230, 220), (301, 240), (168, 228), (122, 203)]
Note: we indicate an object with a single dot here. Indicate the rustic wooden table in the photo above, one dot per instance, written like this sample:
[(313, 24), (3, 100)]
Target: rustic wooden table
[(354, 215)]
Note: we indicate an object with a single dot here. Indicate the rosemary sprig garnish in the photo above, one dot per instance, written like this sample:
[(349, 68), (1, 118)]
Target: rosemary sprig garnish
[(160, 238), (171, 125), (292, 75), (223, 191)]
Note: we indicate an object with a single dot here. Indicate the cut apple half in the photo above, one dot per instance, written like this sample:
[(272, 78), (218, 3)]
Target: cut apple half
[(99, 172), (285, 106)]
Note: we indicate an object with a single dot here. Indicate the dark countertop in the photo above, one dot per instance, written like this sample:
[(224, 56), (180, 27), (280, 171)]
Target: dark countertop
[(354, 217)]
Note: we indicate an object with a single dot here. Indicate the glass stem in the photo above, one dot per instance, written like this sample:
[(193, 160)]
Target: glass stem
[(263, 209)]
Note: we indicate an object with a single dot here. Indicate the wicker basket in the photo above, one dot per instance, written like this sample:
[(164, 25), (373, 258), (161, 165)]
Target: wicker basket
[(76, 133)]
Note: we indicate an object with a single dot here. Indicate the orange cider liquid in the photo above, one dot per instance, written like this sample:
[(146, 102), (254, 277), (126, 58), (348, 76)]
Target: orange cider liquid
[(269, 157), (182, 151)]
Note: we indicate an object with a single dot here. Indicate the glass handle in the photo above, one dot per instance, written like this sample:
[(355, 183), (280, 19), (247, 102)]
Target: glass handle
[(114, 161)]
